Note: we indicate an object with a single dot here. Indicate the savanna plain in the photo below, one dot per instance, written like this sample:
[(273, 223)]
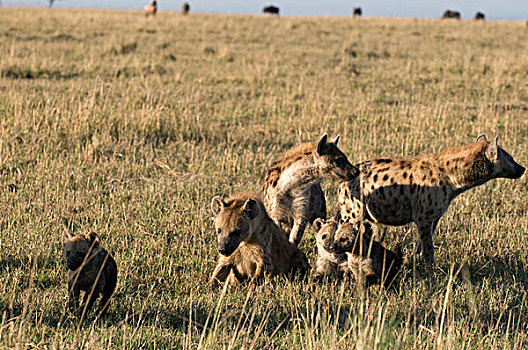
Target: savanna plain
[(127, 126)]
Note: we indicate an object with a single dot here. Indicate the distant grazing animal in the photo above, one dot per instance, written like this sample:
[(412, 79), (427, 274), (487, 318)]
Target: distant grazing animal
[(480, 16), (292, 192), (272, 10), (251, 245), (151, 9), (185, 8), (328, 263), (397, 191), (357, 12), (451, 14), (91, 269), (366, 258)]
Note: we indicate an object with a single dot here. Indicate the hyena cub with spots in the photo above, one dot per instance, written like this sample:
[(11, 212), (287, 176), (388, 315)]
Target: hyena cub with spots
[(397, 191), (91, 270), (328, 262), (251, 245), (292, 192), (366, 258)]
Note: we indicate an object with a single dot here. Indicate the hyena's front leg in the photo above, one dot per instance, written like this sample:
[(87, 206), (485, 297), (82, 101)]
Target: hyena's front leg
[(426, 230), (220, 274), (324, 268), (89, 299), (300, 213), (73, 295)]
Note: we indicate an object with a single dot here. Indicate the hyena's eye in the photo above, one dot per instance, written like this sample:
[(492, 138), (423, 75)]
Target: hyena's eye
[(342, 239), (323, 237), (219, 231)]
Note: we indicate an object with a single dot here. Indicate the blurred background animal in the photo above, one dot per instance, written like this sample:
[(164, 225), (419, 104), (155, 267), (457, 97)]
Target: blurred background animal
[(185, 8), (151, 9), (452, 14), (272, 10)]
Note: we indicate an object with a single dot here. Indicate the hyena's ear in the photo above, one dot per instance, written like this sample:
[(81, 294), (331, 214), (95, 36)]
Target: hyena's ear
[(493, 149), (335, 140), (217, 204), (317, 224), (66, 235), (93, 238), (251, 209), (482, 137), (321, 145)]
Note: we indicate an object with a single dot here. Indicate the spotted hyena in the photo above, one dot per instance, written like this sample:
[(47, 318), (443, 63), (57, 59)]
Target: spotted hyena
[(91, 270), (398, 191), (366, 258), (292, 192), (328, 262), (251, 245)]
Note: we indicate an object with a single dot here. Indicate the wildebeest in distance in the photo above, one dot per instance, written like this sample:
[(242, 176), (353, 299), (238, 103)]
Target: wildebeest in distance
[(357, 12), (272, 10), (451, 14), (479, 16), (185, 8)]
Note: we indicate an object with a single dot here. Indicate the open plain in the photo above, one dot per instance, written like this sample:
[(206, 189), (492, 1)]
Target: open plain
[(128, 126)]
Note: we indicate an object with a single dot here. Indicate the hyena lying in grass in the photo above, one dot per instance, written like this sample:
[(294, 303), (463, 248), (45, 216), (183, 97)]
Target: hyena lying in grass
[(292, 192), (328, 262), (397, 191), (251, 245), (366, 258), (91, 269)]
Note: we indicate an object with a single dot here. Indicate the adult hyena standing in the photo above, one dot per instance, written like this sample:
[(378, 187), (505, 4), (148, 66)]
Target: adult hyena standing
[(397, 191)]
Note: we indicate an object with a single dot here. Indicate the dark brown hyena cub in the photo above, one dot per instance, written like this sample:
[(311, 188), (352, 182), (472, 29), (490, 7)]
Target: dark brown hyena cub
[(91, 269), (366, 257)]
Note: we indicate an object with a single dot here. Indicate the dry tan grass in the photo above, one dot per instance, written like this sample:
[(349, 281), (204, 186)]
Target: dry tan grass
[(129, 126)]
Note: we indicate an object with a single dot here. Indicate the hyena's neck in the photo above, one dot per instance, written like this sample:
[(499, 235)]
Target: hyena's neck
[(262, 232), (468, 169), (298, 176)]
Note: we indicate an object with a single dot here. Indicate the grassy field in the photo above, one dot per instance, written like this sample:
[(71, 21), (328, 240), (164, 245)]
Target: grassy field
[(129, 126)]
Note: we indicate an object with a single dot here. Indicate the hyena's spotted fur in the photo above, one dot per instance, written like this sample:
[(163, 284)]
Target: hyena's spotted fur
[(367, 259), (251, 245), (292, 192), (328, 263), (397, 191), (91, 270)]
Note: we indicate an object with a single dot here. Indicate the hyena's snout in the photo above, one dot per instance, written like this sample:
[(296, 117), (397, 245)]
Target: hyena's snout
[(509, 168), (347, 172), (352, 173), (74, 262), (227, 246), (519, 171)]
